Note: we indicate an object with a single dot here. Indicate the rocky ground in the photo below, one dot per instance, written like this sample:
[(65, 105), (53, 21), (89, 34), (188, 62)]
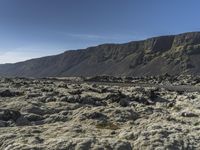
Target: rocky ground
[(51, 114)]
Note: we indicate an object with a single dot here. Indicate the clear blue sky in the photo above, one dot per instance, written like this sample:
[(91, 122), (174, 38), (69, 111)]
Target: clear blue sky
[(33, 28)]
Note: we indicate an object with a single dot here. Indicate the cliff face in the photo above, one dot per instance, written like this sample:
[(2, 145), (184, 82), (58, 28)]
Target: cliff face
[(175, 54)]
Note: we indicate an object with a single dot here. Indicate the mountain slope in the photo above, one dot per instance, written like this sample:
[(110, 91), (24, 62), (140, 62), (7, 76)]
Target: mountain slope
[(174, 54)]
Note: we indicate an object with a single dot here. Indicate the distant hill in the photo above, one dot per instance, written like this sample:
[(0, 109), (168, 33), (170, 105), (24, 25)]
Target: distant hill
[(173, 54)]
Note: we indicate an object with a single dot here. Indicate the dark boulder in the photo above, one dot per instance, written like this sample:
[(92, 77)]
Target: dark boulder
[(96, 115), (7, 93), (8, 114)]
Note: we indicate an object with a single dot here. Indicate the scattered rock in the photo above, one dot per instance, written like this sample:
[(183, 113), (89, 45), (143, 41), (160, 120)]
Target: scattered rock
[(8, 114), (51, 99), (96, 115), (124, 102), (33, 117), (91, 101), (84, 145), (76, 92), (107, 125), (56, 118), (188, 114), (151, 94), (115, 97), (22, 121), (31, 109), (64, 99), (3, 123), (123, 115), (170, 104), (144, 101), (72, 99), (122, 146), (8, 93), (32, 95), (55, 113)]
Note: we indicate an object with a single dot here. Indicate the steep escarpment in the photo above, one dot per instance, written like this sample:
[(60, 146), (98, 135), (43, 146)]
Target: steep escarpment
[(174, 54)]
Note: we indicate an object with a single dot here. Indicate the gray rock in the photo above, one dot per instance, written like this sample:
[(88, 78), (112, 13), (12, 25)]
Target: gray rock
[(63, 99), (73, 98), (33, 109), (3, 123), (50, 99), (33, 117), (8, 114), (32, 95), (121, 145), (96, 115), (22, 121), (56, 118), (123, 115), (9, 93), (92, 101), (124, 102), (84, 145), (188, 114)]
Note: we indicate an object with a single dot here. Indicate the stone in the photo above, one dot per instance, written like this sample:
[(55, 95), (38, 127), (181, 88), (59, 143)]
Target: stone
[(33, 117), (96, 115), (33, 109), (91, 101), (22, 121), (121, 145), (124, 102), (188, 114), (64, 99), (3, 123), (8, 114), (50, 99), (7, 93), (115, 97), (84, 145)]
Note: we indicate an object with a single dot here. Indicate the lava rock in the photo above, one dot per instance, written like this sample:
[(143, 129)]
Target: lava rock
[(188, 114), (151, 94), (122, 146), (3, 123), (50, 99), (124, 102), (33, 117), (92, 101), (33, 109), (22, 121), (8, 93), (8, 114), (115, 97), (96, 115), (170, 104)]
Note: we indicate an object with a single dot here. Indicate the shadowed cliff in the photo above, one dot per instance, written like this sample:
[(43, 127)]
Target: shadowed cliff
[(174, 54)]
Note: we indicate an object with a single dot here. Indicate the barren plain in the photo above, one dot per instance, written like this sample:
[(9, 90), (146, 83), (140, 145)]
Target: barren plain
[(100, 113)]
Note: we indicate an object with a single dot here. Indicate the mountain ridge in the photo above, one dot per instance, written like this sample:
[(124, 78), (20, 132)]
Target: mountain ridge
[(172, 54)]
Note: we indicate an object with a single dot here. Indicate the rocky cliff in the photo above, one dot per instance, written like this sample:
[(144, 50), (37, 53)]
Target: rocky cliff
[(173, 54)]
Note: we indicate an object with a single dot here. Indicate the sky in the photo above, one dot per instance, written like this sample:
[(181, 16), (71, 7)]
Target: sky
[(36, 28)]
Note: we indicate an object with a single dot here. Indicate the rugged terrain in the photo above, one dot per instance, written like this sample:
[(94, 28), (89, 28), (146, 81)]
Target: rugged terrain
[(174, 54), (100, 113)]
